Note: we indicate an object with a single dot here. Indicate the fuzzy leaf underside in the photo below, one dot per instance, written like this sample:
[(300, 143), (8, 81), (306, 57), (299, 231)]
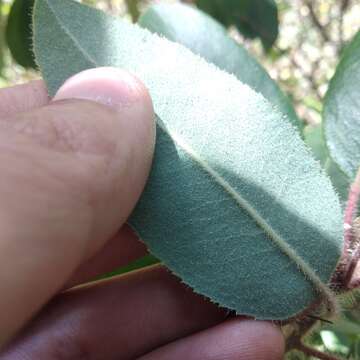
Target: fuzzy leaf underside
[(209, 39), (235, 205), (342, 111)]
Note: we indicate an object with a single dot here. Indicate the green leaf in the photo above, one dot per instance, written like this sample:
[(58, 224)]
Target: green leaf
[(342, 111), (141, 263), (340, 181), (2, 37), (344, 326), (207, 38), (335, 342), (253, 18), (235, 205), (313, 137), (18, 33)]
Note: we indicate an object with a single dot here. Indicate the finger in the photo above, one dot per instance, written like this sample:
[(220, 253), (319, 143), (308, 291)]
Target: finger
[(122, 249), (125, 246), (23, 97), (121, 318), (77, 169), (232, 340)]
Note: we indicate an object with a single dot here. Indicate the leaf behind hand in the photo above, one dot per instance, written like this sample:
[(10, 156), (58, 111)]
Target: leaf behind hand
[(235, 205)]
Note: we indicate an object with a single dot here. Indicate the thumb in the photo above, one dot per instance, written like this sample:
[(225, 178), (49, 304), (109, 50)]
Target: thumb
[(72, 172)]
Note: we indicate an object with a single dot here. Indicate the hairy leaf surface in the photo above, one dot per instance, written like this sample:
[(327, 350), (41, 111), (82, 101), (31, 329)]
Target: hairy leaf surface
[(235, 204), (206, 37), (342, 111)]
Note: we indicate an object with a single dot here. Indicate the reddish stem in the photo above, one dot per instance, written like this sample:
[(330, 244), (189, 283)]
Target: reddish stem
[(350, 211), (354, 284), (315, 353), (346, 267), (351, 268)]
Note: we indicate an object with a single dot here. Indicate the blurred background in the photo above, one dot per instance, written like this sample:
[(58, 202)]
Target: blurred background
[(306, 38), (298, 42)]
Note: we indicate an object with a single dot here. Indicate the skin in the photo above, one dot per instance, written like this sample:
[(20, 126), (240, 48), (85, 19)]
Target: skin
[(72, 169)]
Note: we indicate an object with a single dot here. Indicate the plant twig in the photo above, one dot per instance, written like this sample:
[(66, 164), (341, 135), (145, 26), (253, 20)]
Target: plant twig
[(309, 77), (322, 28), (355, 249), (315, 353), (343, 7), (350, 211), (301, 329), (132, 6), (345, 270)]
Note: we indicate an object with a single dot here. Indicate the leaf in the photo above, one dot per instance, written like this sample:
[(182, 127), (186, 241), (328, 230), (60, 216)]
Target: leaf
[(18, 33), (235, 205), (314, 138), (207, 38), (344, 326), (253, 18), (335, 342), (141, 263), (339, 180), (342, 111)]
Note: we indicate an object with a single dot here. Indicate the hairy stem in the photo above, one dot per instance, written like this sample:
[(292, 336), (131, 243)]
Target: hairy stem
[(349, 283), (345, 270), (351, 255), (355, 284), (351, 208)]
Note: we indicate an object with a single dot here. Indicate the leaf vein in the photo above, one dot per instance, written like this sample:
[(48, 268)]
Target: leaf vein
[(87, 56), (310, 274)]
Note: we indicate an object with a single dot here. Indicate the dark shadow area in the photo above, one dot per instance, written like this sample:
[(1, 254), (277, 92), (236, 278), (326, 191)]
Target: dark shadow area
[(201, 233)]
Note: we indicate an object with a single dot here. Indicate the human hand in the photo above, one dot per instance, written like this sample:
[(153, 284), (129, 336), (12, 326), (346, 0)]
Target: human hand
[(71, 171)]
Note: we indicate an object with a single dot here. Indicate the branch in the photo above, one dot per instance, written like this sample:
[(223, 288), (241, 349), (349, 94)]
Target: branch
[(355, 256), (343, 7), (132, 6), (322, 29), (351, 253), (351, 209), (308, 77), (315, 353)]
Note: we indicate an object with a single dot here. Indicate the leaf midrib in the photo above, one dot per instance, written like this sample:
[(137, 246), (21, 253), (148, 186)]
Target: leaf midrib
[(83, 51), (240, 201), (259, 220)]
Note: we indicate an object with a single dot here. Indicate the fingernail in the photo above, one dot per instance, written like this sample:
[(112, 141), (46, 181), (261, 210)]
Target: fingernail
[(108, 86)]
